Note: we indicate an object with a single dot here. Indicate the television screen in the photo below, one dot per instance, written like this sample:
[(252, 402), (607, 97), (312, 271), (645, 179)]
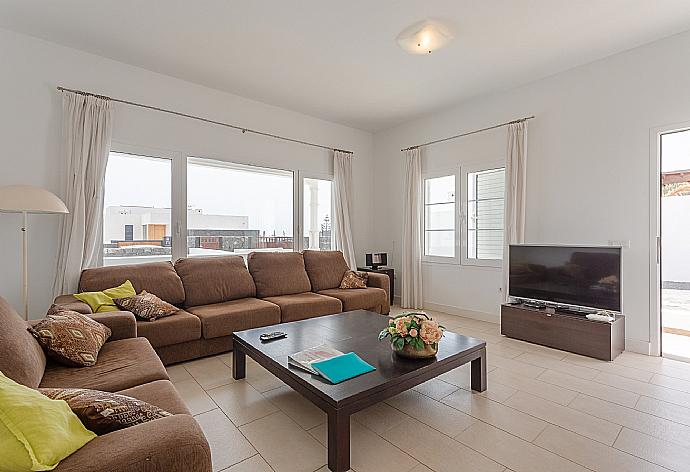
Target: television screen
[(582, 276)]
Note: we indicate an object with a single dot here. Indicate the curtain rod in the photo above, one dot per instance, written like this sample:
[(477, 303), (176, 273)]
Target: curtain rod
[(520, 120), (205, 120)]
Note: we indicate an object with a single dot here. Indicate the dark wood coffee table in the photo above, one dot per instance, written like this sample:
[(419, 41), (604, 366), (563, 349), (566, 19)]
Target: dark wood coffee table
[(354, 331)]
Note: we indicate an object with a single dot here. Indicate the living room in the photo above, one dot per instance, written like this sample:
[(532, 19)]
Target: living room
[(304, 138)]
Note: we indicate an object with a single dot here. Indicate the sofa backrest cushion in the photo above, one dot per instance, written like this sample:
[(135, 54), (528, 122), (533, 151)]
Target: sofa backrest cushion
[(158, 278), (325, 269), (216, 279), (278, 273), (21, 357)]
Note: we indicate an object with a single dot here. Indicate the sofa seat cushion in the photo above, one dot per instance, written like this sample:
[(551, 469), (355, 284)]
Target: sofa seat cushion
[(158, 278), (301, 306), (325, 269), (121, 364), (223, 319), (173, 329), (160, 393), (214, 279), (278, 273), (372, 299)]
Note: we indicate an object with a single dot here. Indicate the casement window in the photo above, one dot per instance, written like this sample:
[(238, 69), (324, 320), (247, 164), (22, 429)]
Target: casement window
[(483, 211), (440, 218), (317, 213), (137, 220)]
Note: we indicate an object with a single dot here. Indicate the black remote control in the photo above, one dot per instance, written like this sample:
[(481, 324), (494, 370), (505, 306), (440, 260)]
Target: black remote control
[(271, 336)]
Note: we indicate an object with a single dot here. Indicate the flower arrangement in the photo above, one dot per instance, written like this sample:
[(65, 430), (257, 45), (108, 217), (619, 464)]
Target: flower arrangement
[(413, 334)]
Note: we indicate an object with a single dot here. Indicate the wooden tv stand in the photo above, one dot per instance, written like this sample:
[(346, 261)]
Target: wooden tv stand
[(568, 332)]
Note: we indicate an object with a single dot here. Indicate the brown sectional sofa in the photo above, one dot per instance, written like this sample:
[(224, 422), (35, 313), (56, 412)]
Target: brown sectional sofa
[(127, 365), (220, 295)]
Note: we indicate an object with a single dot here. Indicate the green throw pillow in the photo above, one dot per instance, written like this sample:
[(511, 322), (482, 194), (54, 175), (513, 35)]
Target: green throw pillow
[(36, 433), (103, 301)]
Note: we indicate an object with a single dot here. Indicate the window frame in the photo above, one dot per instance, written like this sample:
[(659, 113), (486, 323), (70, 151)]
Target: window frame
[(299, 197), (455, 259), (470, 169)]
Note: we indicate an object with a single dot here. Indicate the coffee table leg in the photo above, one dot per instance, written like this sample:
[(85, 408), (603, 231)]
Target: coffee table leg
[(479, 372), (239, 363), (338, 441)]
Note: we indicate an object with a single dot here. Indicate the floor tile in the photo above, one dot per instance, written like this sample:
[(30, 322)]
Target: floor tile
[(671, 382), (437, 451), (196, 399), (421, 468), (439, 416), (301, 410), (515, 367), (436, 388), (503, 350), (610, 367), (565, 417), (284, 444), (210, 372), (644, 388), (559, 366), (369, 452), (634, 419), (654, 450), (588, 387), (591, 454), (513, 452), (379, 417), (178, 373), (228, 446), (253, 464), (496, 414), (548, 391), (261, 379), (669, 411), (241, 403)]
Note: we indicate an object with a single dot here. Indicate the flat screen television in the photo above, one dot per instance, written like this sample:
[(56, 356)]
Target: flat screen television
[(581, 276)]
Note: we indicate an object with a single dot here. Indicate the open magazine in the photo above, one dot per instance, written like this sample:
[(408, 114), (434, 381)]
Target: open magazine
[(304, 359)]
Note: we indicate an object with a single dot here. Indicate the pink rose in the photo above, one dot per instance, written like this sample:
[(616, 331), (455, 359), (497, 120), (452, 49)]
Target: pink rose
[(430, 332), (413, 332), (400, 326)]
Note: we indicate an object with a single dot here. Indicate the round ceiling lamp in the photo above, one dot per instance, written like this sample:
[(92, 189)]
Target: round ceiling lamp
[(424, 37)]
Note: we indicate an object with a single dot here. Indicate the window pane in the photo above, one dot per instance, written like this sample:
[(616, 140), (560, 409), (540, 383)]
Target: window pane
[(439, 243), (485, 207), (136, 219), (440, 189), (440, 216), (317, 214), (237, 208)]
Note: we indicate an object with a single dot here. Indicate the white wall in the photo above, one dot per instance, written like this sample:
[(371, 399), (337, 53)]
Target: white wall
[(588, 171), (30, 140), (675, 232)]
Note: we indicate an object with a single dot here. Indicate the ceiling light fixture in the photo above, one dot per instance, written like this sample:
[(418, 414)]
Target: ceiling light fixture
[(424, 37)]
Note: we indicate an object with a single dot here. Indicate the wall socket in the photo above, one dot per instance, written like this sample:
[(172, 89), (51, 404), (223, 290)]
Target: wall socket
[(624, 243)]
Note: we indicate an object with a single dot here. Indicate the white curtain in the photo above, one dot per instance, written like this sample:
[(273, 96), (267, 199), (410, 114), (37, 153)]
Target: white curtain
[(86, 135), (516, 181), (412, 231), (342, 191)]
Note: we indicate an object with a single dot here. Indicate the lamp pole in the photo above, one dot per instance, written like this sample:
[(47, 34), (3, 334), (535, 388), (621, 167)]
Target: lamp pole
[(25, 264)]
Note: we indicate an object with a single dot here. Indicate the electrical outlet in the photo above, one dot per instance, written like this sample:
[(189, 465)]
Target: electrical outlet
[(624, 243)]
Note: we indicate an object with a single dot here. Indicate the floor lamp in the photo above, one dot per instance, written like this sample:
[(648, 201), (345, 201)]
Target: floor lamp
[(26, 199)]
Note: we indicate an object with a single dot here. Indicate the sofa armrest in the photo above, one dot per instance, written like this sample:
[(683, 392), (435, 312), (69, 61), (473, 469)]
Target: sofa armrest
[(380, 281), (70, 302), (174, 443), (123, 324)]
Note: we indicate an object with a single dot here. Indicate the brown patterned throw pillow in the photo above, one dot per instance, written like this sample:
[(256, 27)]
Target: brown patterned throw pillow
[(105, 412), (146, 305), (353, 279), (69, 337)]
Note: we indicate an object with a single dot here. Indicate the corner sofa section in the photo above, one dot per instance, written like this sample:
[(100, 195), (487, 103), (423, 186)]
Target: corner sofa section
[(219, 295)]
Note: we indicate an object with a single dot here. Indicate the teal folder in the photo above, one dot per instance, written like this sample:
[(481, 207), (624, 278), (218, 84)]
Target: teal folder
[(344, 367)]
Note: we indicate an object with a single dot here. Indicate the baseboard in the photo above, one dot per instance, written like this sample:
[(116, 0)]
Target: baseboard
[(640, 347), (454, 310)]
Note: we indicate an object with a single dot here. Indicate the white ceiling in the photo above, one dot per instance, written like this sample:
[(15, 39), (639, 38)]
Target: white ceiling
[(338, 60)]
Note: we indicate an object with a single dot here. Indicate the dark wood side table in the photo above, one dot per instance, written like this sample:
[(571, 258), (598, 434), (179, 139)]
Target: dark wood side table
[(390, 272)]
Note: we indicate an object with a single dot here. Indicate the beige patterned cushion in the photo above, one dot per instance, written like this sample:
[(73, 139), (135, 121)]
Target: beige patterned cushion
[(146, 305), (70, 338), (353, 279), (105, 412)]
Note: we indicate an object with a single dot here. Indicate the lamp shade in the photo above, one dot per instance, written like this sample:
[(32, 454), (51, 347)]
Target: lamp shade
[(424, 37), (26, 198)]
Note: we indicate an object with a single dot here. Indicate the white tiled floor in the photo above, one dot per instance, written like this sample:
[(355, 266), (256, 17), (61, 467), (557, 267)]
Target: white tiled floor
[(544, 410)]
